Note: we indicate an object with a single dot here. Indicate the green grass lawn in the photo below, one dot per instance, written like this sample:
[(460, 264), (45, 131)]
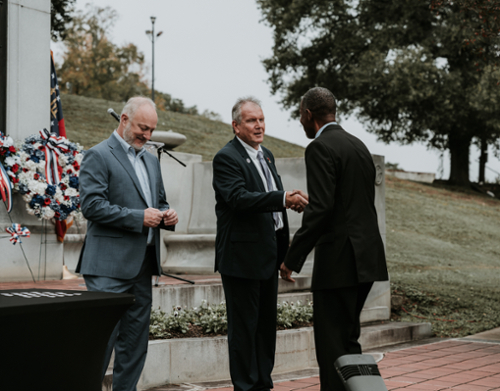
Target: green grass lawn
[(443, 252), (88, 123)]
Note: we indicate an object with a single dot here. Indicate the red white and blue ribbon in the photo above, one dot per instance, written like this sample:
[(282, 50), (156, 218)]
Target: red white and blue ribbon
[(17, 232), (54, 147), (5, 188)]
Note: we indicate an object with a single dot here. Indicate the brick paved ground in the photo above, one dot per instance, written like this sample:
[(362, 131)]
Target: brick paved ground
[(451, 365), (458, 364)]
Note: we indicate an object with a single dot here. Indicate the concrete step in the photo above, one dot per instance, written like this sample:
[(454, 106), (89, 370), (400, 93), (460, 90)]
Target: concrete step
[(190, 360), (210, 289)]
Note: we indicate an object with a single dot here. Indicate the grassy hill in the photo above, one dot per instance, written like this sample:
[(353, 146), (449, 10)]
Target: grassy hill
[(443, 245), (443, 252), (88, 123)]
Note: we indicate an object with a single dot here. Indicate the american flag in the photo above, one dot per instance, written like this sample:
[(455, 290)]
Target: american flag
[(57, 127), (56, 114)]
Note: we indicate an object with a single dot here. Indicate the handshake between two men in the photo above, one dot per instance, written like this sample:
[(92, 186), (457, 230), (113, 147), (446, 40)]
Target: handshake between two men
[(296, 200)]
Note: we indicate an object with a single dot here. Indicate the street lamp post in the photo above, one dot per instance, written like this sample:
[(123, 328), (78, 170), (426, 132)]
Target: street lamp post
[(152, 36)]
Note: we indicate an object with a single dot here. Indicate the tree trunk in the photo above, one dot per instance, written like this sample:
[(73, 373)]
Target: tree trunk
[(459, 159), (483, 159)]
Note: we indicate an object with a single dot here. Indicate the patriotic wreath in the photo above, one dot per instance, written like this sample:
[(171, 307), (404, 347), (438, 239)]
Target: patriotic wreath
[(7, 150), (45, 169)]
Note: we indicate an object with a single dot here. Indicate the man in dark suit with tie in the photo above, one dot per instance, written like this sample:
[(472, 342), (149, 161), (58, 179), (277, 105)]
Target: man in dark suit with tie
[(340, 223), (252, 240), (124, 201)]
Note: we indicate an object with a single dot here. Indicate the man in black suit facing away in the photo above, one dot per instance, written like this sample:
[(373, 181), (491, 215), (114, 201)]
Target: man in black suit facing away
[(252, 240), (340, 223)]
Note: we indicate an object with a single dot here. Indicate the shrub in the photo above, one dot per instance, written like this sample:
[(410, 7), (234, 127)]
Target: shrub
[(213, 318)]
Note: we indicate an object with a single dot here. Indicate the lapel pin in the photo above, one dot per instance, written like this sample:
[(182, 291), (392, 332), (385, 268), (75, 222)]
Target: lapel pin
[(248, 160)]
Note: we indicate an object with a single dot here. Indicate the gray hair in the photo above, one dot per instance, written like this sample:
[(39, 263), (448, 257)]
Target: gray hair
[(134, 103), (236, 112)]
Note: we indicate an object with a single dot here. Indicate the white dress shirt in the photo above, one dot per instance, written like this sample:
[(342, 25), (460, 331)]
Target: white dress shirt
[(318, 133), (252, 152)]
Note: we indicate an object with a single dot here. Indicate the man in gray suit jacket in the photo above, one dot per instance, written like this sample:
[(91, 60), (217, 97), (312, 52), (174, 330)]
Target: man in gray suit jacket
[(123, 199)]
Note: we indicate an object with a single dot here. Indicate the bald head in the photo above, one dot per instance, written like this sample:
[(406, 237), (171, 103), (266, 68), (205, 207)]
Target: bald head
[(136, 102), (137, 121)]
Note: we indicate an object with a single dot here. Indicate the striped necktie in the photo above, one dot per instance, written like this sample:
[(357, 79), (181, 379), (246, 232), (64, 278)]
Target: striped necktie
[(267, 174)]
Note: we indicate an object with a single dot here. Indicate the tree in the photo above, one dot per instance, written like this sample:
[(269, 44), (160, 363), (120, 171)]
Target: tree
[(399, 65), (60, 15), (479, 17), (93, 66)]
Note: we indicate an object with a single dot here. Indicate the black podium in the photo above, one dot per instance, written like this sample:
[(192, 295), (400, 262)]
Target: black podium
[(55, 340)]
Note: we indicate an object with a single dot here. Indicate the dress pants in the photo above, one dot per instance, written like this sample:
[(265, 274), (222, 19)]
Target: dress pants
[(337, 329), (251, 316), (130, 336)]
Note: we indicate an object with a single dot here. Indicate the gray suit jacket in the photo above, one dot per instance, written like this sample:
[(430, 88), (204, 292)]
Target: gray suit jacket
[(113, 203)]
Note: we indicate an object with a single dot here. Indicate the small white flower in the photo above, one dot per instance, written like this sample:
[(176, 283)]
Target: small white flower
[(48, 213), (63, 160), (27, 197), (23, 156), (71, 192), (31, 165), (10, 161)]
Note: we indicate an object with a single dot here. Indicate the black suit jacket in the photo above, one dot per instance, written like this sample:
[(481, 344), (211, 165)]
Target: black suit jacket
[(247, 245), (341, 212)]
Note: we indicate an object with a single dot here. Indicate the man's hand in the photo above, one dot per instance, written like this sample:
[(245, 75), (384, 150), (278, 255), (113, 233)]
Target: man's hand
[(152, 217), (286, 273), (170, 217), (295, 201), (301, 193)]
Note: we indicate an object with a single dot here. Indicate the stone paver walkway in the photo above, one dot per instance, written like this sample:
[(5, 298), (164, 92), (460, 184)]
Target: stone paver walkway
[(458, 365), (450, 365), (466, 364)]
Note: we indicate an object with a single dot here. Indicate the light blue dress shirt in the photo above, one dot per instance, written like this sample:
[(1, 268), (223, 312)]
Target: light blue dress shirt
[(141, 172), (323, 128)]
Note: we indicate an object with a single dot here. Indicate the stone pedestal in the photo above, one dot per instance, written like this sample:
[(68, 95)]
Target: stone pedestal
[(27, 111)]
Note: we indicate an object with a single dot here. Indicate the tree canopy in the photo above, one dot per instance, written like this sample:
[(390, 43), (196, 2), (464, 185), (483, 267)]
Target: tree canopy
[(94, 66), (60, 15), (402, 67)]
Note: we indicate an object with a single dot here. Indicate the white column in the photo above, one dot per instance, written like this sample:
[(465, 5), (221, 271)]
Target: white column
[(28, 110), (28, 67)]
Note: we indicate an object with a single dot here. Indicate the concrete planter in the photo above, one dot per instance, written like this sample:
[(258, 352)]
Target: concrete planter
[(191, 360), (188, 360)]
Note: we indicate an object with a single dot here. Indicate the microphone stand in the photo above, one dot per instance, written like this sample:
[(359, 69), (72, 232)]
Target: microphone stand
[(160, 150)]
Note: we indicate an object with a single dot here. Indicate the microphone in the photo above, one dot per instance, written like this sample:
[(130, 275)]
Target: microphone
[(159, 146), (113, 114)]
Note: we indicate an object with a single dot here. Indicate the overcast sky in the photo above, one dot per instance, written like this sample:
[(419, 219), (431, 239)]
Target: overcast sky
[(210, 54)]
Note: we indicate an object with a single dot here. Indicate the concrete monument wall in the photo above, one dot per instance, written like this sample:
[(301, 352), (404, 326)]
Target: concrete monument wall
[(27, 111), (191, 249)]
